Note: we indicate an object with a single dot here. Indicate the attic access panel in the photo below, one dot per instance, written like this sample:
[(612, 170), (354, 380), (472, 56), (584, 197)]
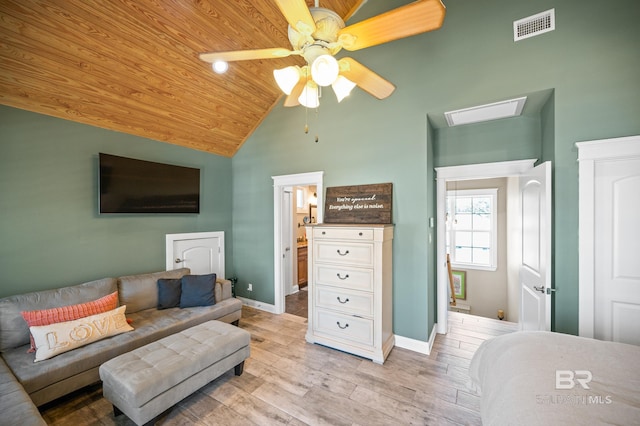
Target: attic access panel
[(487, 112)]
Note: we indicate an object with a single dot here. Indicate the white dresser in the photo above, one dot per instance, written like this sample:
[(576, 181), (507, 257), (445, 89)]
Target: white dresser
[(351, 288)]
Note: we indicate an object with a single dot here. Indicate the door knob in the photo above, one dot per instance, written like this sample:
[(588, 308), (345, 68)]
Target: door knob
[(540, 289), (178, 260)]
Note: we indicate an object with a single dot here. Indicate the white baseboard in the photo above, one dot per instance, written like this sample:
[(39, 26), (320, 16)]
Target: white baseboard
[(432, 336), (258, 305), (417, 345)]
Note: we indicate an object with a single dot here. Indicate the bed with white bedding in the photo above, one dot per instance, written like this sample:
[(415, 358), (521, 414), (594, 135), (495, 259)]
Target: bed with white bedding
[(543, 378)]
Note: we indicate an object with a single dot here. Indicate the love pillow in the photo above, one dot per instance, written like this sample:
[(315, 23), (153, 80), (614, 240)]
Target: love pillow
[(57, 338), (69, 313)]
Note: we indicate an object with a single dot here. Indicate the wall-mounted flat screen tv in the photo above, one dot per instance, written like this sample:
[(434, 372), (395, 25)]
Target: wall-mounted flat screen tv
[(128, 185)]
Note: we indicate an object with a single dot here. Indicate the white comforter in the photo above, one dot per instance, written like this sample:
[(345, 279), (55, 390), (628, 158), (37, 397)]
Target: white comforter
[(539, 378)]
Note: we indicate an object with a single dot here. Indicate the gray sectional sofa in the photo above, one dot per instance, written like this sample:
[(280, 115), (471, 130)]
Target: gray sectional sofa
[(25, 385)]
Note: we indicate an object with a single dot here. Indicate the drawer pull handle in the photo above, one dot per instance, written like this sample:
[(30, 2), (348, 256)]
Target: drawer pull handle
[(360, 234), (346, 325), (347, 299), (342, 254), (342, 278), (324, 233)]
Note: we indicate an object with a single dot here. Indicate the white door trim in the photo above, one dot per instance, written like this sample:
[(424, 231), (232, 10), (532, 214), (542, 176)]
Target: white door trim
[(171, 238), (279, 183), (589, 153), (467, 172)]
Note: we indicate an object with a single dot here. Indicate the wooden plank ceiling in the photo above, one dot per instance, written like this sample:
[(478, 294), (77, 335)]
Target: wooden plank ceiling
[(132, 65)]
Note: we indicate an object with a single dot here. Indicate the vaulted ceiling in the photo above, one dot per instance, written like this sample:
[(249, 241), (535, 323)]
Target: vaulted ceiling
[(132, 65)]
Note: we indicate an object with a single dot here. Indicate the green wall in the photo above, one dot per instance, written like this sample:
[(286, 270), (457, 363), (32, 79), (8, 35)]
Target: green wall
[(51, 232), (48, 167), (499, 140), (589, 66)]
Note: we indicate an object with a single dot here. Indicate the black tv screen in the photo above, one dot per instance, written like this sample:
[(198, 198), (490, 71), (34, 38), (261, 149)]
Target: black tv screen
[(128, 185)]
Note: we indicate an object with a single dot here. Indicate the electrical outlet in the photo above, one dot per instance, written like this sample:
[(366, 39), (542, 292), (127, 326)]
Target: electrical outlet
[(250, 287)]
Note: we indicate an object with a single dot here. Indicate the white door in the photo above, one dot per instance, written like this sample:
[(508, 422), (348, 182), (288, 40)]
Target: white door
[(609, 291), (287, 232), (201, 252), (535, 269), (617, 250)]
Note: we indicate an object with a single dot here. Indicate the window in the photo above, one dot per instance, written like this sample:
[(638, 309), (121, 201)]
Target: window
[(471, 224), (301, 200)]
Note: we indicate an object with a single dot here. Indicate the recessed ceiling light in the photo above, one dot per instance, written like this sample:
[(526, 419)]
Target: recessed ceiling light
[(488, 112), (220, 67)]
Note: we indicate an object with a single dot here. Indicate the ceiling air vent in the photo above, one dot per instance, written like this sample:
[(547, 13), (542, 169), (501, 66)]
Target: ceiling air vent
[(534, 25)]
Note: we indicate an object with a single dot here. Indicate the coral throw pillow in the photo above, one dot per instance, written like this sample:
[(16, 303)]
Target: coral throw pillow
[(54, 339), (69, 313)]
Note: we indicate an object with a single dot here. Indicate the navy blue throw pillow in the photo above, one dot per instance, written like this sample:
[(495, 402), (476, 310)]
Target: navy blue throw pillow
[(198, 290), (169, 291)]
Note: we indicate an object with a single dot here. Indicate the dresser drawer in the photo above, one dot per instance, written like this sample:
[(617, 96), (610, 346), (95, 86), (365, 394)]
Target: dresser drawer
[(357, 254), (345, 277), (349, 328), (343, 234), (347, 302)]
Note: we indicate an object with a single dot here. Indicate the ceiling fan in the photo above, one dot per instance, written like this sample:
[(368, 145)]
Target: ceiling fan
[(317, 34)]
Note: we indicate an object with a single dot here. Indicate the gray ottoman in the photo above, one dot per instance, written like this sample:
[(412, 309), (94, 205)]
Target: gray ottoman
[(149, 380)]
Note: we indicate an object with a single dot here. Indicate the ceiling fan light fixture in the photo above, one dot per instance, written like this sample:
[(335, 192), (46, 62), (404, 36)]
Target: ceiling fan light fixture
[(324, 70), (310, 96), (342, 87), (220, 67), (287, 78)]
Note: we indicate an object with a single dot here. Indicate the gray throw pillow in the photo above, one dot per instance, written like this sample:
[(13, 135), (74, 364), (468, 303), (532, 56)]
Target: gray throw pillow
[(197, 290), (169, 291)]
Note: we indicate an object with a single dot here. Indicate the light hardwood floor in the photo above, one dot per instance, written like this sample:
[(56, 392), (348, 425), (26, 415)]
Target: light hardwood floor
[(288, 381)]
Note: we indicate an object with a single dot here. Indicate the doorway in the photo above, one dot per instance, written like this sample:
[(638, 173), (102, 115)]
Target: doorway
[(285, 240), (481, 227), (489, 171), (304, 212)]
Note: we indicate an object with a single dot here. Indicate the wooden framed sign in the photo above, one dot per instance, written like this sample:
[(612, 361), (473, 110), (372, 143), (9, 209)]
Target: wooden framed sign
[(359, 204)]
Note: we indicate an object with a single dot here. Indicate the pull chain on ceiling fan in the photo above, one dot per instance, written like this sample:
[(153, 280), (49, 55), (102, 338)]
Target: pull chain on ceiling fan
[(318, 34)]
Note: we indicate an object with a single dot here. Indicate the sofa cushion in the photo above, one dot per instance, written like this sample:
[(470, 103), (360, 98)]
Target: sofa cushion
[(57, 338), (70, 312), (14, 331), (15, 405), (140, 291), (197, 290), (169, 291)]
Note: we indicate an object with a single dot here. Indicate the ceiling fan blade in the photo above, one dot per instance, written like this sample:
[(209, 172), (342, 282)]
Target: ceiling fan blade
[(292, 99), (415, 18), (366, 79), (244, 55), (297, 15)]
